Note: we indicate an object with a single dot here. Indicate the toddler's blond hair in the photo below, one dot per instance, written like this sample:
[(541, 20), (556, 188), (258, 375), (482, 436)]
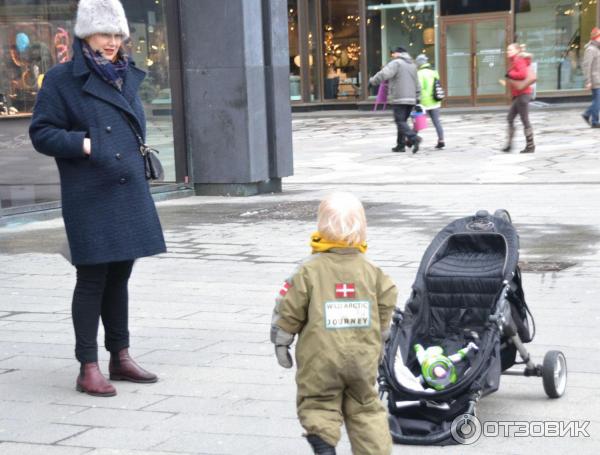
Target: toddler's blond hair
[(341, 218)]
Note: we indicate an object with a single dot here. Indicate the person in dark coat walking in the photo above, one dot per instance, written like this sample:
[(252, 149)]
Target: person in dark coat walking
[(403, 94), (84, 117)]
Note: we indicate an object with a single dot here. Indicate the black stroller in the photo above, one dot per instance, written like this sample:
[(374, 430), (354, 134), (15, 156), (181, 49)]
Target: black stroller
[(467, 293)]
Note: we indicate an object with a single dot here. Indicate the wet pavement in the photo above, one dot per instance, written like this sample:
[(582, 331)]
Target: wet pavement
[(200, 313)]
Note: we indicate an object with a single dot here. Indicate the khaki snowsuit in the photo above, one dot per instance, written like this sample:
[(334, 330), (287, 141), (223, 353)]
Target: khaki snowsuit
[(339, 345)]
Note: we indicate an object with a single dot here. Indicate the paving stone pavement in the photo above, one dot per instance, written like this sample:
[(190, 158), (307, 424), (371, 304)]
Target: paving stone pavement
[(200, 313)]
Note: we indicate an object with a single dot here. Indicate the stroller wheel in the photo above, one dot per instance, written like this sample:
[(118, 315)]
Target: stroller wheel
[(554, 374), (503, 213)]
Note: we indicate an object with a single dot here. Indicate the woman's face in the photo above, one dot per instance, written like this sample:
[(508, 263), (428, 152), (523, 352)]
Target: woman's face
[(511, 51), (106, 43)]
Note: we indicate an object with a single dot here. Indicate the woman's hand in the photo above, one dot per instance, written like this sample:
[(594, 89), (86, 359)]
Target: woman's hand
[(87, 146)]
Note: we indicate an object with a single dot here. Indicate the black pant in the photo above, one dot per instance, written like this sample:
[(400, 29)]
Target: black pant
[(101, 291), (405, 132)]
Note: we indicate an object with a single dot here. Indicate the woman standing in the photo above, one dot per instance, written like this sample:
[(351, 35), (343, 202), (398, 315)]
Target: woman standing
[(85, 116), (427, 77), (520, 62)]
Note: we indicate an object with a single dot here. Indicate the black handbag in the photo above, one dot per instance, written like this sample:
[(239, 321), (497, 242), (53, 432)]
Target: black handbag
[(438, 90), (152, 165)]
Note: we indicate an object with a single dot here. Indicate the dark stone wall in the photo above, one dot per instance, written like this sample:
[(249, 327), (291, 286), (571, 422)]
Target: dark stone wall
[(235, 89)]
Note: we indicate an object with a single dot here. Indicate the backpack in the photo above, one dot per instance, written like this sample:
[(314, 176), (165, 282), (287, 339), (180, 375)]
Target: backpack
[(438, 90)]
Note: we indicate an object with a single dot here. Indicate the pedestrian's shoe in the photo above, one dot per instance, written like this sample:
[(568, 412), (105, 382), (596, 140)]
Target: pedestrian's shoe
[(509, 139), (597, 125), (93, 382), (530, 146), (319, 446), (440, 145), (399, 148), (416, 142), (586, 119), (123, 368)]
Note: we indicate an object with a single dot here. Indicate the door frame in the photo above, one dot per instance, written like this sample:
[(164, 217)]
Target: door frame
[(473, 99)]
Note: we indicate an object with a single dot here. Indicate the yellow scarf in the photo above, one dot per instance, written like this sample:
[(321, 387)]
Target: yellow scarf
[(319, 244)]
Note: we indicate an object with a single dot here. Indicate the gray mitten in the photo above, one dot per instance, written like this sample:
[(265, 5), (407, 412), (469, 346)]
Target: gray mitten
[(282, 341)]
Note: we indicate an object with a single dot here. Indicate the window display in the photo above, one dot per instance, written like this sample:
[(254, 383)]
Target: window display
[(555, 32), (409, 24), (341, 49), (29, 48), (295, 90), (35, 35)]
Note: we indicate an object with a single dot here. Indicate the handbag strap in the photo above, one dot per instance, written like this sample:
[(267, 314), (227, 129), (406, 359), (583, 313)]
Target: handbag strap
[(144, 149)]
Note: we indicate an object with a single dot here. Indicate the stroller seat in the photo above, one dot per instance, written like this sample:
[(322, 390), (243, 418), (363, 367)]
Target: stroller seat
[(462, 281)]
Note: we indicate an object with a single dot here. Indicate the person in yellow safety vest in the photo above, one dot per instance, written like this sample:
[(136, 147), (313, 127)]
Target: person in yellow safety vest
[(427, 76), (339, 304)]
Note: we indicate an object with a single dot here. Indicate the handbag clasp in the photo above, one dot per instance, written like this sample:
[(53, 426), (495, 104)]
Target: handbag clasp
[(144, 149)]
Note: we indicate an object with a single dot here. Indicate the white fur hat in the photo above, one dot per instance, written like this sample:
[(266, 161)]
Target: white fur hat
[(100, 16)]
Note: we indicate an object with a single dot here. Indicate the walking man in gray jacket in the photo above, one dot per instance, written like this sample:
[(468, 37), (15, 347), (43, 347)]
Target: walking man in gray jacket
[(403, 95), (591, 71)]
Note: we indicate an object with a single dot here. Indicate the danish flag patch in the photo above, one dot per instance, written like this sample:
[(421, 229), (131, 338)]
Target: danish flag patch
[(285, 288), (345, 291)]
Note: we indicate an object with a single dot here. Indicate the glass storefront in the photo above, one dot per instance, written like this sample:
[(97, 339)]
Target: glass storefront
[(555, 32), (38, 34), (350, 40), (303, 37), (341, 49), (410, 24), (313, 58), (294, 46), (458, 60)]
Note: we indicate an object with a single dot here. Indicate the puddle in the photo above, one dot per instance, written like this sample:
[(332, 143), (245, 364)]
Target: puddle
[(544, 247)]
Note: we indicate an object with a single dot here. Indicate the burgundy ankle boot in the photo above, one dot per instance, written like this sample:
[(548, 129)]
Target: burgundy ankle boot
[(123, 368), (93, 382)]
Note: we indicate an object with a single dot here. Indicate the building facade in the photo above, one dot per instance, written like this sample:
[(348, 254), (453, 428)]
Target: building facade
[(335, 45), (215, 95)]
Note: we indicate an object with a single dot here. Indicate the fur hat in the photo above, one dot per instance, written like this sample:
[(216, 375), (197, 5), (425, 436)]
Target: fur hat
[(100, 16)]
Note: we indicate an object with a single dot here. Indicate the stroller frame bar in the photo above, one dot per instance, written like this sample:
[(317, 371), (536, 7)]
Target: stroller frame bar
[(507, 326), (531, 369)]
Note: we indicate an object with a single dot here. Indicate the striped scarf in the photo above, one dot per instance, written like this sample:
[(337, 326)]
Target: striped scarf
[(112, 73)]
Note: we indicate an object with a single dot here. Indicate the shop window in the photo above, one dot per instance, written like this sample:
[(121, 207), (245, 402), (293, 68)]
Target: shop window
[(34, 36), (295, 57), (38, 34), (341, 49), (149, 48), (555, 32), (411, 25)]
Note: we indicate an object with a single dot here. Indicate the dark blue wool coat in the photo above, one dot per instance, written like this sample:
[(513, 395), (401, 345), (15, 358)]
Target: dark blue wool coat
[(106, 203)]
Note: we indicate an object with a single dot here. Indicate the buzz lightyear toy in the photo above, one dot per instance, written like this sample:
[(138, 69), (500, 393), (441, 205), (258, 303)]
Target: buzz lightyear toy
[(438, 371)]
